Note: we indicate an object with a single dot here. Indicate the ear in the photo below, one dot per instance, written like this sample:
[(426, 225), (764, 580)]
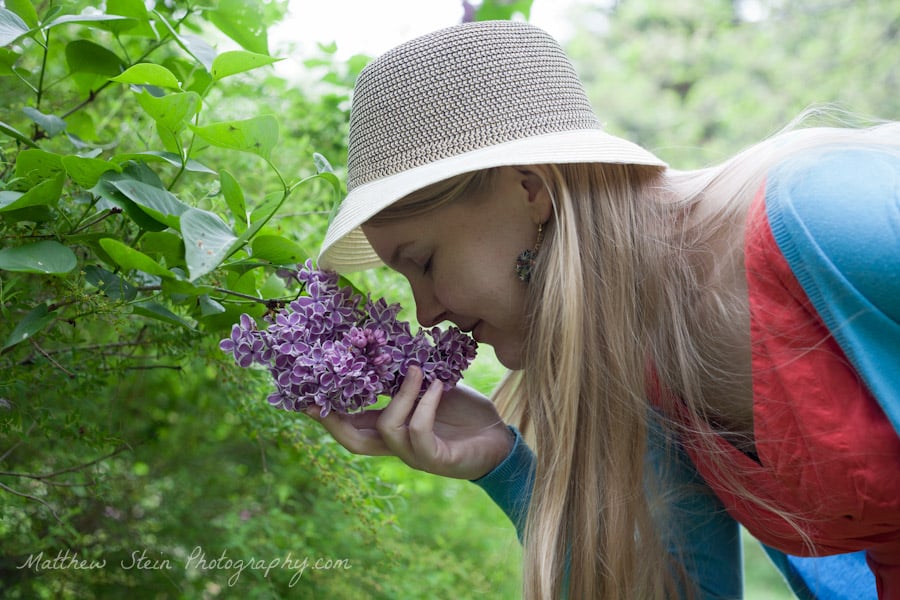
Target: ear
[(539, 203)]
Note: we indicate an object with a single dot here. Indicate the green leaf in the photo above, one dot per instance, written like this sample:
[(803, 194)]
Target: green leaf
[(35, 214), (234, 197), (158, 203), (132, 171), (52, 124), (47, 257), (8, 58), (273, 287), (171, 158), (84, 56), (25, 9), (46, 193), (171, 114), (139, 19), (130, 259), (207, 240), (91, 64), (266, 208), (109, 283), (12, 27), (200, 81), (257, 135), (148, 74), (333, 180), (164, 246), (185, 288), (277, 250), (238, 61), (172, 111), (38, 318), (108, 192), (208, 306), (240, 21), (259, 218), (8, 199), (84, 19), (243, 284), (322, 164), (159, 312), (89, 148), (34, 166), (87, 171), (199, 50)]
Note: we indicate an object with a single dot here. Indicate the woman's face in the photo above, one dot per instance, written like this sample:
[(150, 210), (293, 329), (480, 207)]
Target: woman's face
[(460, 259)]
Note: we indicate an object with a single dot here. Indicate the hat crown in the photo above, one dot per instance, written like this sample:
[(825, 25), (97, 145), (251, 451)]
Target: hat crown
[(460, 89)]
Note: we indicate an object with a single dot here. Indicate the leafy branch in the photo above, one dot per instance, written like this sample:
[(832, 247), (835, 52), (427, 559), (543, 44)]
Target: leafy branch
[(50, 479)]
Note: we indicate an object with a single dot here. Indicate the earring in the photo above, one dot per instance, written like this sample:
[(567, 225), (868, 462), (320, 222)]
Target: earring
[(525, 260)]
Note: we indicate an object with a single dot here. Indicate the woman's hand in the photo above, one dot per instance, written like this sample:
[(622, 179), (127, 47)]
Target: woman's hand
[(454, 434)]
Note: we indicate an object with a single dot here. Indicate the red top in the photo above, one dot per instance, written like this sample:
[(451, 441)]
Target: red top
[(826, 451)]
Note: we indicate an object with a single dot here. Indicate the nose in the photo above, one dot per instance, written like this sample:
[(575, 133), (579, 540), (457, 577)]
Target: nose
[(429, 310)]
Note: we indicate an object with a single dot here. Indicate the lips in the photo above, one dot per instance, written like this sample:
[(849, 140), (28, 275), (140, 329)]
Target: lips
[(471, 329), (474, 331)]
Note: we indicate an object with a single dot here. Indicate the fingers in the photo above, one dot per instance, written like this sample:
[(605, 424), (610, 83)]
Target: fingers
[(354, 432), (392, 424), (421, 425), (404, 428)]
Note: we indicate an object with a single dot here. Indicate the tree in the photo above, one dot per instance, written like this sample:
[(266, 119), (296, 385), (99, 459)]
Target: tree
[(709, 84)]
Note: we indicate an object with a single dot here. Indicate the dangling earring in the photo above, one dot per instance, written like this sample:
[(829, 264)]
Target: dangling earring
[(525, 260)]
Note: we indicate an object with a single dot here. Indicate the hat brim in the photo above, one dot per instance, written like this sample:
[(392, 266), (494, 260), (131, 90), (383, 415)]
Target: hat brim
[(346, 249)]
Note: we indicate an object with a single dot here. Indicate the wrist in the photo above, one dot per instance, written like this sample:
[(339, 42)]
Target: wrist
[(513, 440)]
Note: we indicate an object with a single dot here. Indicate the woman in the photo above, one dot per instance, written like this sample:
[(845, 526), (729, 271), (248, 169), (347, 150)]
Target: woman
[(643, 311)]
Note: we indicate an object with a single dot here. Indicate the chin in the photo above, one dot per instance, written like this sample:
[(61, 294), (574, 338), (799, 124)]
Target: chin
[(509, 358)]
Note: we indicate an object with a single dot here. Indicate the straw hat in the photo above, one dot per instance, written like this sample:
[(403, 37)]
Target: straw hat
[(465, 98)]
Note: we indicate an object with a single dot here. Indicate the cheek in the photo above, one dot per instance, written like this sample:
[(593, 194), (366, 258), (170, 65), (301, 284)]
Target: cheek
[(497, 298), (468, 285), (477, 277)]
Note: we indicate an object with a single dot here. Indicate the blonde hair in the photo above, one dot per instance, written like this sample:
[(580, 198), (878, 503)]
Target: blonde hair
[(626, 293)]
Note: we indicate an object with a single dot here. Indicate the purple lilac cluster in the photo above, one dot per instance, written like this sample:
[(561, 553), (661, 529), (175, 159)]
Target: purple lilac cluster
[(330, 349)]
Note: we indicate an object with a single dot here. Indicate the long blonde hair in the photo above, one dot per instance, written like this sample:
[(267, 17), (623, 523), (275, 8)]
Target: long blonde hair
[(617, 294)]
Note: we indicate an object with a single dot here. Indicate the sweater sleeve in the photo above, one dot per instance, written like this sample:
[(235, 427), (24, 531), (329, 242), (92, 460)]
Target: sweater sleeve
[(509, 485), (835, 215), (703, 537), (836, 577)]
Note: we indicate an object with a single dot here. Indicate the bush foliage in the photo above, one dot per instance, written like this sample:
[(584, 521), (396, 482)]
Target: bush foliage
[(151, 186)]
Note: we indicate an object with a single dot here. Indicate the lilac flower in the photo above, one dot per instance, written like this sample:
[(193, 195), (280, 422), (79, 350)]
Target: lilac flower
[(246, 343), (332, 350)]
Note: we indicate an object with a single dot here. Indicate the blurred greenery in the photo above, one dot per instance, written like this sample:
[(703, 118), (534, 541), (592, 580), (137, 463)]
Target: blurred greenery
[(128, 439), (698, 81)]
